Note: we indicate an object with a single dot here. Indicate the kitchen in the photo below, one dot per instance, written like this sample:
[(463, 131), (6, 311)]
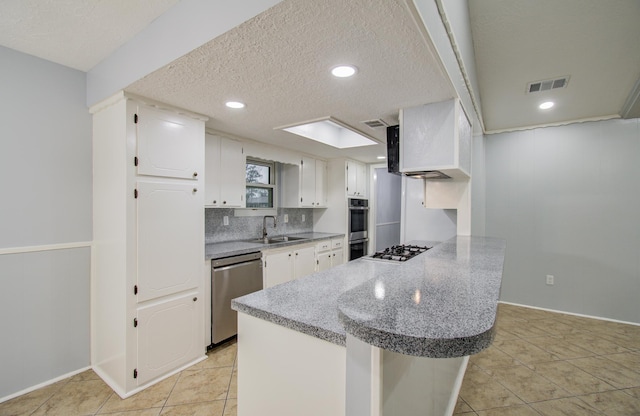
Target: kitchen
[(66, 223)]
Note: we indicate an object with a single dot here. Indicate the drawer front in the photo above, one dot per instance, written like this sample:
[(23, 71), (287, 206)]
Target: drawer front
[(323, 246)]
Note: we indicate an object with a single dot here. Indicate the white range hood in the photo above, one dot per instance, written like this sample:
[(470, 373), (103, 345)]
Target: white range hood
[(435, 138)]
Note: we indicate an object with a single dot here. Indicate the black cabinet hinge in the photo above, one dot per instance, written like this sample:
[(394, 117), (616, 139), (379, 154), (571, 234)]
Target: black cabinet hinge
[(135, 322), (135, 289), (135, 161), (135, 118), (135, 373), (135, 193)]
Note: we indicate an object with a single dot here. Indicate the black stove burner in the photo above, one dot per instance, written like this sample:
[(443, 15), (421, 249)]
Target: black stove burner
[(399, 252)]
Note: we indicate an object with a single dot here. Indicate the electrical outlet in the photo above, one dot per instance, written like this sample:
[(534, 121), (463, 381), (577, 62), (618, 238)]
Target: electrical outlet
[(550, 279), (302, 217), (286, 218), (225, 220)]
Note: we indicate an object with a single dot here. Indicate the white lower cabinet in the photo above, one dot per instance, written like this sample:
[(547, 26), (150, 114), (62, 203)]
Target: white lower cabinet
[(292, 262), (169, 335), (330, 253)]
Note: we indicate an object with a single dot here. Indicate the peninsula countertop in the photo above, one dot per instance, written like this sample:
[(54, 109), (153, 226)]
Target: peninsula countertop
[(441, 303), (236, 248)]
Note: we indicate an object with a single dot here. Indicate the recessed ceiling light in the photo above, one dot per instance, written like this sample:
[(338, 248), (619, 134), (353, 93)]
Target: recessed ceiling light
[(234, 104), (546, 105), (344, 71), (381, 157)]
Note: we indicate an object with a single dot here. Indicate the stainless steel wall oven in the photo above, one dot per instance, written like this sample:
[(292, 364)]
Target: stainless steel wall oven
[(358, 227)]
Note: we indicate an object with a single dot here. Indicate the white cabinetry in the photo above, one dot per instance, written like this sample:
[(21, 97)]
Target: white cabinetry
[(304, 185), (329, 253), (146, 306), (225, 173), (356, 179), (436, 137), (289, 263)]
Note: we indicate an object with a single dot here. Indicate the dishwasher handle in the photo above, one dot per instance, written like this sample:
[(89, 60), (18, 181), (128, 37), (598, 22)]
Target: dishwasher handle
[(227, 261)]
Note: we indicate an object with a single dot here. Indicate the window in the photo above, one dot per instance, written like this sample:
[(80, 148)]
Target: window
[(260, 184)]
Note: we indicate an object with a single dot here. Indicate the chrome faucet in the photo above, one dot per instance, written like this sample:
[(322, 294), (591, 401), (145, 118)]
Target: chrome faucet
[(264, 224)]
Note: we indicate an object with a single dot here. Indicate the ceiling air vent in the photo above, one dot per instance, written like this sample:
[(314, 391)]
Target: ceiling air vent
[(374, 124), (547, 84)]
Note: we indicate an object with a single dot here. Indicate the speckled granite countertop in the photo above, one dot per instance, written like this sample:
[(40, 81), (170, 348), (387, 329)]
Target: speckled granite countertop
[(441, 303), (235, 248)]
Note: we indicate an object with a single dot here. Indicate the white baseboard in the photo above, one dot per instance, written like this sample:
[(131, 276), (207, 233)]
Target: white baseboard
[(43, 384), (571, 313)]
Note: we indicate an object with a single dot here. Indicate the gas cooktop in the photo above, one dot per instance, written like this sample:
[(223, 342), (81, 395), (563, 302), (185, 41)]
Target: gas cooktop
[(398, 253)]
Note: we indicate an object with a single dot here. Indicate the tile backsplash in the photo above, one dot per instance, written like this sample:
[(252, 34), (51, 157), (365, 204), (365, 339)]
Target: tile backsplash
[(244, 228)]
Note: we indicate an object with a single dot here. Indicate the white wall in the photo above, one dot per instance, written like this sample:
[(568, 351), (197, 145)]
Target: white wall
[(45, 221), (567, 199)]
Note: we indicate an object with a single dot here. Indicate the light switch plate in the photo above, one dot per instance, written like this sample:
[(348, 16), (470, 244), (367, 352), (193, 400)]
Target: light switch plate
[(225, 220), (302, 217), (286, 218)]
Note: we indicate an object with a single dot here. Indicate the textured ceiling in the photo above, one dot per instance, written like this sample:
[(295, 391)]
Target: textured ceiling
[(595, 42), (278, 64), (75, 33)]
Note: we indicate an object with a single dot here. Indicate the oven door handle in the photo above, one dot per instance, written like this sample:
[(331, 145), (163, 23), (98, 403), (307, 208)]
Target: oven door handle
[(363, 240), (359, 208)]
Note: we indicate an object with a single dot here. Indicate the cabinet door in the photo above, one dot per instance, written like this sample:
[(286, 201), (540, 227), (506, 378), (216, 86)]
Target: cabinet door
[(321, 185), (337, 257), (232, 174), (324, 261), (169, 335), (308, 182), (212, 173), (361, 180), (169, 145), (169, 239), (352, 182), (278, 268), (305, 261)]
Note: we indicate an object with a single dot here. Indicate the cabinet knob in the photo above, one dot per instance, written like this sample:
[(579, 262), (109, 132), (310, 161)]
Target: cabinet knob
[(289, 254), (195, 174), (296, 254), (195, 189), (195, 298), (215, 202), (224, 202)]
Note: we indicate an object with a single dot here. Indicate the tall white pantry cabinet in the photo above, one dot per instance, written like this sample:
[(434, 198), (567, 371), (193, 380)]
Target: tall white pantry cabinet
[(147, 304)]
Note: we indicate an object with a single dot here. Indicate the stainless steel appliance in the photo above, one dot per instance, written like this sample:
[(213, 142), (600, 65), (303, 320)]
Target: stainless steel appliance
[(358, 227), (231, 277), (398, 253)]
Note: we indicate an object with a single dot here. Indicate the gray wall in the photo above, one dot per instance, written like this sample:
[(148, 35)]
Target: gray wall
[(45, 172), (567, 199)]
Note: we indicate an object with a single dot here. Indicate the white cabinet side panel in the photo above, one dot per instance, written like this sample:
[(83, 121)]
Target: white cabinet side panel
[(283, 372)]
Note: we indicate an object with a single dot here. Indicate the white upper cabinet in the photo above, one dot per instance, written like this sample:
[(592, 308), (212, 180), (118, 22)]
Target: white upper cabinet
[(304, 185), (167, 144), (225, 173), (356, 179), (436, 137)]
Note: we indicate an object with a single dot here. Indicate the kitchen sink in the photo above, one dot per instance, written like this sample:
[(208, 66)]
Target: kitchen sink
[(274, 240)]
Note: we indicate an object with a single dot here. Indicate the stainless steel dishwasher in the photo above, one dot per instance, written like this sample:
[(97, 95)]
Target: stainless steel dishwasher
[(231, 277)]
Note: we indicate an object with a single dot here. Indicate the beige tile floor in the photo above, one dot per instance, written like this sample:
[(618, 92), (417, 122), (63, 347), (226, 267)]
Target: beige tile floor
[(541, 363), (545, 363)]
